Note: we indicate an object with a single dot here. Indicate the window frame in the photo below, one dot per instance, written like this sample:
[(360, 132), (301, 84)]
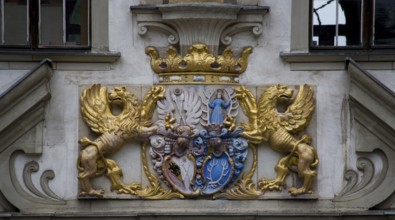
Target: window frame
[(301, 58), (98, 53), (33, 27), (367, 20)]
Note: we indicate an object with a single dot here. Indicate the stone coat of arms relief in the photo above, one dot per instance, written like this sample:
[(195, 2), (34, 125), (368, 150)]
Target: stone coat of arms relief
[(198, 137), (199, 129), (193, 142)]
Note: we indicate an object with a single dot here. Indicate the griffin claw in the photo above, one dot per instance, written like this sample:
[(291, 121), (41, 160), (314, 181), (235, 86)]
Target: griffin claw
[(271, 185), (299, 191), (94, 192)]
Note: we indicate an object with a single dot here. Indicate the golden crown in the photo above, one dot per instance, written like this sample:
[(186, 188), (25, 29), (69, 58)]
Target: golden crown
[(198, 66)]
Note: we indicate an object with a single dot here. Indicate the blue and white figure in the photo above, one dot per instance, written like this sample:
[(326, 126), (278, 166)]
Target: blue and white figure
[(218, 105)]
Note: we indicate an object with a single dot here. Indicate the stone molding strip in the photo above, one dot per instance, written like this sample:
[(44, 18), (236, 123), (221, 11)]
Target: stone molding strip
[(59, 56)]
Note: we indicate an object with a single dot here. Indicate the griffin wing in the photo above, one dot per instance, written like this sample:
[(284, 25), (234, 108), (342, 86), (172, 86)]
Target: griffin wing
[(298, 115), (95, 109)]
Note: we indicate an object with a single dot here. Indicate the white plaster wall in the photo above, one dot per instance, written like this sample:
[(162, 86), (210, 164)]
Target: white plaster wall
[(133, 67)]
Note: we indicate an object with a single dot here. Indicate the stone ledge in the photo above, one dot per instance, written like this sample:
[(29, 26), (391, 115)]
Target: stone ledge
[(337, 56), (334, 215), (60, 56), (334, 60)]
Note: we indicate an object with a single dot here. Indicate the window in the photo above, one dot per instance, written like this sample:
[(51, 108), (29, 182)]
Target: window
[(353, 24), (44, 23)]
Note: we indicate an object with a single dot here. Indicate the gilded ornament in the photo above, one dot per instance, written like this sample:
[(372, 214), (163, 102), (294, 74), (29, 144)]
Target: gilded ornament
[(196, 147), (114, 131), (248, 105), (244, 189), (229, 64), (276, 128), (199, 66)]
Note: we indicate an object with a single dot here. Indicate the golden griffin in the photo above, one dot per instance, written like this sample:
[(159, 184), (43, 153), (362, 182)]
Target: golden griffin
[(276, 128), (196, 147), (114, 131)]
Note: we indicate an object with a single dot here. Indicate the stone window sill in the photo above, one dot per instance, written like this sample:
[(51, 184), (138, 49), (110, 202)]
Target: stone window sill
[(334, 60), (60, 56)]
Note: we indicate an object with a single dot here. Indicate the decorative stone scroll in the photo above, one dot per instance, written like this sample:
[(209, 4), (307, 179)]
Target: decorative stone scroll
[(217, 22), (371, 111), (22, 114)]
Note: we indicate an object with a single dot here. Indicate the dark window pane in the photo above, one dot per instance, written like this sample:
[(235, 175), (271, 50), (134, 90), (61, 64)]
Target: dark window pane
[(337, 23), (384, 22), (351, 29), (77, 22), (59, 23), (15, 25), (324, 23), (51, 22), (64, 22)]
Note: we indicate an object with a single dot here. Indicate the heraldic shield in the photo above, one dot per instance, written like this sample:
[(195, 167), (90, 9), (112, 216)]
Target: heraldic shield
[(196, 150), (193, 143)]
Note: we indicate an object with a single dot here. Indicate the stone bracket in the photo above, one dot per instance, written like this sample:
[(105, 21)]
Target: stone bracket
[(372, 126), (22, 117), (217, 23)]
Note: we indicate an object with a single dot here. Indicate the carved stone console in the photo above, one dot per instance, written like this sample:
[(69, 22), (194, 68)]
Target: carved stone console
[(22, 116), (212, 24), (371, 116)]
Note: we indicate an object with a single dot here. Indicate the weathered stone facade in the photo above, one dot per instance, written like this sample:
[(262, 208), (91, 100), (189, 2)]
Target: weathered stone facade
[(352, 126)]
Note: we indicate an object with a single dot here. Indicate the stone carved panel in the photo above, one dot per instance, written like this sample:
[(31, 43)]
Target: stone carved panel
[(197, 132), (197, 147)]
